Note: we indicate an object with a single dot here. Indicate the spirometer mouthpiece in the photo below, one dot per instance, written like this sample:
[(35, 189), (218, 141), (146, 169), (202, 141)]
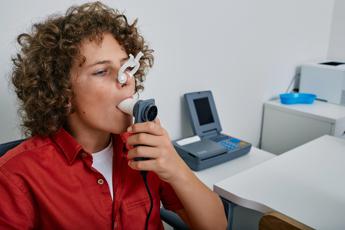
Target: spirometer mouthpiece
[(127, 105), (130, 63), (141, 110)]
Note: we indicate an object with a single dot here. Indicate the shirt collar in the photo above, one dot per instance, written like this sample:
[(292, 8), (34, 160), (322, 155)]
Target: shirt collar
[(71, 148)]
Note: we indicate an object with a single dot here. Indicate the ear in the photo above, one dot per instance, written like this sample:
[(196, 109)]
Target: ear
[(69, 106)]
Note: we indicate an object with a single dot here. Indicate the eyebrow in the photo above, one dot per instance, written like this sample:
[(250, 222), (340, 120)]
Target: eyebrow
[(107, 62)]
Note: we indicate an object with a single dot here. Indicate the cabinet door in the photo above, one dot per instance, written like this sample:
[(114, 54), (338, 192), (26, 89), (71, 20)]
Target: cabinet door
[(283, 131)]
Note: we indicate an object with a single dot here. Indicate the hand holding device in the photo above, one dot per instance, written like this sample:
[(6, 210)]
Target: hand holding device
[(141, 110), (153, 149)]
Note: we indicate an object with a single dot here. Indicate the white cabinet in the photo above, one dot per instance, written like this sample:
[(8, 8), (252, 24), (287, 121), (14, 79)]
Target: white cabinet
[(288, 126)]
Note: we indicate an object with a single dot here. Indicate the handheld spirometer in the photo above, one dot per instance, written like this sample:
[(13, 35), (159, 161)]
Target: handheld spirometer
[(141, 110)]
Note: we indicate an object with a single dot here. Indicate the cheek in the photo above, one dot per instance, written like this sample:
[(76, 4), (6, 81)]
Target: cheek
[(92, 94)]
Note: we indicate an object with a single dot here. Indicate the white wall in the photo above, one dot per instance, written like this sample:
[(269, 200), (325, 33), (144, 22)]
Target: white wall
[(245, 51), (337, 40)]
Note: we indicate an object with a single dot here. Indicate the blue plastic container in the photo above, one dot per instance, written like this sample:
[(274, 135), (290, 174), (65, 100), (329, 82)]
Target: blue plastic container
[(297, 98)]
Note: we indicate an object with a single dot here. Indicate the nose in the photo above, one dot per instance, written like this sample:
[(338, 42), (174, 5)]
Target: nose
[(128, 86), (122, 78)]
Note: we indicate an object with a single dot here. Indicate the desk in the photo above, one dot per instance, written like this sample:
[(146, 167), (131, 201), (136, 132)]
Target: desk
[(220, 172), (306, 184)]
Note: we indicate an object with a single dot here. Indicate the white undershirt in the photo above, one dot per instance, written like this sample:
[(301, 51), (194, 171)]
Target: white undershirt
[(103, 162)]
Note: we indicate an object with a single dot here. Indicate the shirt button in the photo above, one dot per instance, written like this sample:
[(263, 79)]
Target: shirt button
[(100, 181)]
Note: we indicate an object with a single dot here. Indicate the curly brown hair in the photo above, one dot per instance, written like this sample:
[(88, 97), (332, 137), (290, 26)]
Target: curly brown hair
[(41, 70)]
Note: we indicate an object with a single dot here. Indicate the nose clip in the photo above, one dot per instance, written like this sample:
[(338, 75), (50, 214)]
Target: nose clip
[(130, 63)]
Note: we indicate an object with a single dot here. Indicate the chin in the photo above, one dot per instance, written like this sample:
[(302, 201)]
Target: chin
[(117, 130), (121, 127)]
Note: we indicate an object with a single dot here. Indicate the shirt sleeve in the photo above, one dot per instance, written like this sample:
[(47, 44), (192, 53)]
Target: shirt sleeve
[(169, 198), (16, 212)]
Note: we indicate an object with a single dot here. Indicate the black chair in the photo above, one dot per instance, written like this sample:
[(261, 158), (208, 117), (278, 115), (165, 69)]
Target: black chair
[(173, 219), (9, 145)]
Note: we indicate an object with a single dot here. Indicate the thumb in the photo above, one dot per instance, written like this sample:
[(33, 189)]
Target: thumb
[(157, 121)]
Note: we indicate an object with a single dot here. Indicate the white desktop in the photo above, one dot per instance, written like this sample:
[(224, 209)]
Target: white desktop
[(306, 184), (220, 172)]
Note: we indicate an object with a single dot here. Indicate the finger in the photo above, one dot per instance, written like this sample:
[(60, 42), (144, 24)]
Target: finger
[(146, 165), (144, 139), (157, 121), (146, 127), (143, 151)]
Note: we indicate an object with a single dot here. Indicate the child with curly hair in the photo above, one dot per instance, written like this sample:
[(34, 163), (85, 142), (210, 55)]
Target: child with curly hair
[(76, 169)]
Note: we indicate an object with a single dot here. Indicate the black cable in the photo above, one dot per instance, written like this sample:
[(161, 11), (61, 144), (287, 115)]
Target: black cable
[(144, 175)]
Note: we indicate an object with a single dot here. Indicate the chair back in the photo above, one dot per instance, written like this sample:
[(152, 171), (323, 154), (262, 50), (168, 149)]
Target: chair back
[(9, 145), (172, 219)]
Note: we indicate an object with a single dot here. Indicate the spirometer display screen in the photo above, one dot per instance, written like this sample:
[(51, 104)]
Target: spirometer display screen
[(203, 110)]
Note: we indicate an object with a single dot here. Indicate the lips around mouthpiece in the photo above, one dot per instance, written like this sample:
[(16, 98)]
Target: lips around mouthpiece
[(127, 105)]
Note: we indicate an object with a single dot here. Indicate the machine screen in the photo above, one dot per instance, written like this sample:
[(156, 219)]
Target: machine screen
[(203, 111)]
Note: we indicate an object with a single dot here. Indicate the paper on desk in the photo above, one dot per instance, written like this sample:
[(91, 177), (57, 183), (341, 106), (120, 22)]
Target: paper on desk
[(188, 140)]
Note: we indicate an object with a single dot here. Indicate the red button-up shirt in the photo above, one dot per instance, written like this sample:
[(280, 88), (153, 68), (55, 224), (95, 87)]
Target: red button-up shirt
[(49, 183)]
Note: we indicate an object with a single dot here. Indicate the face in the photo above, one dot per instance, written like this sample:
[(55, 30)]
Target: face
[(96, 91)]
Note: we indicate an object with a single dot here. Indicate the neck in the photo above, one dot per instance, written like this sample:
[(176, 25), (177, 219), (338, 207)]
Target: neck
[(90, 139)]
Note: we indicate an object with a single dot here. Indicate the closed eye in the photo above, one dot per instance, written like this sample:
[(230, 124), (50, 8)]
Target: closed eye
[(102, 72)]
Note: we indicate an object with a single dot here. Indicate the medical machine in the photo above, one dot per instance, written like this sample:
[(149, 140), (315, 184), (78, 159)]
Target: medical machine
[(209, 146)]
